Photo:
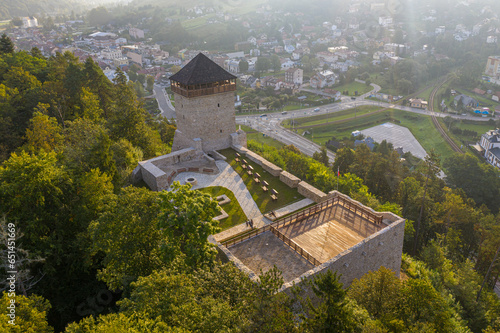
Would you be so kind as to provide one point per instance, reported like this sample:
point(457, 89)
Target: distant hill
point(18, 8)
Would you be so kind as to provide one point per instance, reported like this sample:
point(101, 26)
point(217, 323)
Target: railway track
point(436, 123)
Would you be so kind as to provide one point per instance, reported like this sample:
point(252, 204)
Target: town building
point(294, 75)
point(136, 33)
point(493, 67)
point(490, 147)
point(323, 79)
point(418, 103)
point(30, 22)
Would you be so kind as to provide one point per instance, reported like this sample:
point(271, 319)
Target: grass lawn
point(361, 88)
point(421, 127)
point(480, 127)
point(483, 101)
point(291, 107)
point(233, 208)
point(334, 116)
point(286, 195)
point(259, 137)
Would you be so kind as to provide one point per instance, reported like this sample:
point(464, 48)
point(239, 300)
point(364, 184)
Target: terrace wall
point(311, 192)
point(289, 179)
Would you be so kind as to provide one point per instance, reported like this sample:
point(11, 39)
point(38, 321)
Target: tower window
point(218, 105)
point(221, 131)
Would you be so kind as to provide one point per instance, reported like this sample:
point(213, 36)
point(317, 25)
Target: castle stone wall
point(289, 179)
point(311, 192)
point(210, 118)
point(383, 248)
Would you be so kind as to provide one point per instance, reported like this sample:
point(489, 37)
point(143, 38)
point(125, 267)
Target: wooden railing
point(241, 238)
point(294, 246)
point(203, 91)
point(359, 210)
point(353, 207)
point(345, 203)
point(303, 214)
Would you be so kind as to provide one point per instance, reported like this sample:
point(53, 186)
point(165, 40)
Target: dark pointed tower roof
point(201, 70)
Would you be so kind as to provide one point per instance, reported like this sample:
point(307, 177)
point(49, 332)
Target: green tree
point(343, 159)
point(243, 66)
point(333, 313)
point(479, 181)
point(128, 236)
point(272, 311)
point(322, 156)
point(430, 168)
point(176, 300)
point(378, 292)
point(150, 80)
point(6, 45)
point(44, 133)
point(275, 63)
point(121, 323)
point(263, 64)
point(99, 16)
point(30, 314)
point(187, 221)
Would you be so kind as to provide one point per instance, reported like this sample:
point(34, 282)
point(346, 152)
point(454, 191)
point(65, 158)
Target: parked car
point(316, 110)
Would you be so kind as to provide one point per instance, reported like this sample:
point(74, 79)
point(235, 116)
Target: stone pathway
point(229, 179)
point(293, 207)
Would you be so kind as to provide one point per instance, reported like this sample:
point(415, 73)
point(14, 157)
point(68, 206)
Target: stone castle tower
point(204, 105)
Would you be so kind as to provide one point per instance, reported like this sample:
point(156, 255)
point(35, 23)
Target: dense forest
point(96, 254)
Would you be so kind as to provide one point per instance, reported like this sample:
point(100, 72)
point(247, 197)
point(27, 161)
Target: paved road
point(164, 103)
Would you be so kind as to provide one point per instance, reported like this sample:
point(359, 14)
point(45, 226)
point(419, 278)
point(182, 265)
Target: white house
point(440, 30)
point(287, 63)
point(323, 79)
point(232, 65)
point(30, 22)
point(490, 143)
point(385, 21)
point(491, 39)
point(111, 54)
point(136, 33)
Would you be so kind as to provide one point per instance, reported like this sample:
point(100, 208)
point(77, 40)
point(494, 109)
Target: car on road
point(316, 110)
point(263, 115)
point(284, 112)
point(353, 98)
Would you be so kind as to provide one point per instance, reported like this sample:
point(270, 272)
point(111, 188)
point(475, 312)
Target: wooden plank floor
point(330, 232)
point(327, 240)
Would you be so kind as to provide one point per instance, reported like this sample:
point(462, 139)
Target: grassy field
point(263, 199)
point(361, 88)
point(485, 102)
point(335, 116)
point(259, 137)
point(233, 208)
point(421, 127)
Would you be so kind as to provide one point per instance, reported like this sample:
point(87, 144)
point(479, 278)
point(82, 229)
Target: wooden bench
point(274, 197)
point(237, 159)
point(257, 180)
point(264, 188)
point(243, 166)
